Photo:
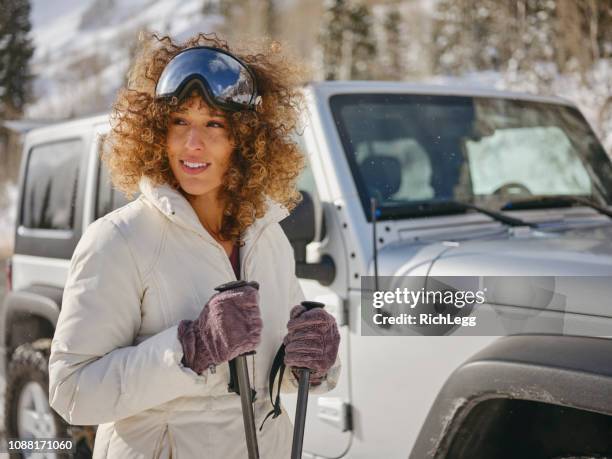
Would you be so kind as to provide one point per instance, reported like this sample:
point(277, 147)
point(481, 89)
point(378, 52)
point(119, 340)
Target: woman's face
point(199, 147)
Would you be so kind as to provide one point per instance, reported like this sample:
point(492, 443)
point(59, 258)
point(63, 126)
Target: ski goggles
point(224, 80)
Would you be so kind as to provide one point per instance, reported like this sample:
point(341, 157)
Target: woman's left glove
point(311, 342)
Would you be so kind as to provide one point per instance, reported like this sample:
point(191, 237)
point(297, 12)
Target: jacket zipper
point(227, 262)
point(247, 255)
point(242, 270)
point(243, 276)
point(212, 241)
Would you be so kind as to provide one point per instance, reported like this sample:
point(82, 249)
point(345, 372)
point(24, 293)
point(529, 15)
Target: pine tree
point(212, 7)
point(16, 49)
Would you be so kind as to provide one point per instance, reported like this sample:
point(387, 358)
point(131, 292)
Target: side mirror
point(299, 226)
point(300, 229)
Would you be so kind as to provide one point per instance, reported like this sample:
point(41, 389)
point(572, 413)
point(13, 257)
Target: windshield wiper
point(447, 207)
point(539, 202)
point(510, 221)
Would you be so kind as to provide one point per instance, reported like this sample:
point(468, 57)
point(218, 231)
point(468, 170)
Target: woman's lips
point(193, 170)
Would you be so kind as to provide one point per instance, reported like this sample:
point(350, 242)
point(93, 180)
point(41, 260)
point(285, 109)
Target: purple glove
point(311, 342)
point(228, 326)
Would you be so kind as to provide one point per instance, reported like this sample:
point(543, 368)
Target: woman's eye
point(179, 121)
point(215, 124)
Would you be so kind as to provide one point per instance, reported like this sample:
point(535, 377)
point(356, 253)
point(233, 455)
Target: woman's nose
point(194, 140)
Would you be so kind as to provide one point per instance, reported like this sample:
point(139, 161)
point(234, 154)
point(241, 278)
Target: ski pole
point(239, 366)
point(246, 401)
point(302, 399)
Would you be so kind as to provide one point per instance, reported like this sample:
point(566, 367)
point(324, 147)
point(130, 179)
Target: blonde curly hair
point(265, 161)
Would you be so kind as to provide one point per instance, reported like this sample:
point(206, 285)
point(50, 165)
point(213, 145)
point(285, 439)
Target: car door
point(328, 421)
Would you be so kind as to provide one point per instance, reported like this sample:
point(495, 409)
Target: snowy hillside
point(83, 47)
point(82, 51)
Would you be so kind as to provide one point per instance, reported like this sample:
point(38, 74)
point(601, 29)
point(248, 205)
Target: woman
point(143, 340)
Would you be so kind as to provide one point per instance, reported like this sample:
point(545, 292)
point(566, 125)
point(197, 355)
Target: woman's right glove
point(228, 326)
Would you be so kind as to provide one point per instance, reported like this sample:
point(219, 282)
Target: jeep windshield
point(417, 154)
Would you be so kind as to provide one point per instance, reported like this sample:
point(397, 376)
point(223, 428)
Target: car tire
point(27, 392)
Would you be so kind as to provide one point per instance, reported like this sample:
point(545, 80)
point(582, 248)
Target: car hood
point(569, 252)
point(578, 262)
point(575, 265)
point(572, 252)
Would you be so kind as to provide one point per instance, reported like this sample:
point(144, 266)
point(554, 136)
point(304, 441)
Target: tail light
point(9, 274)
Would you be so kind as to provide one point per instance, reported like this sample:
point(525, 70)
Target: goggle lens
point(227, 80)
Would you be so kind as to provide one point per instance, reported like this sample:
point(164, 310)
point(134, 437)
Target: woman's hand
point(311, 342)
point(228, 326)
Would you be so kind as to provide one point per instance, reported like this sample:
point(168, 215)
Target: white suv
point(467, 183)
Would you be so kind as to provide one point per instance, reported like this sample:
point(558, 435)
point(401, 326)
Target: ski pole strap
point(278, 367)
point(233, 382)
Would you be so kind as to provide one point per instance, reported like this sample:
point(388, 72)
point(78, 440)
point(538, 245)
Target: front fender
point(36, 301)
point(39, 300)
point(567, 371)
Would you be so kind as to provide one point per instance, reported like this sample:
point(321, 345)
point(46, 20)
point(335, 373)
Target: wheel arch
point(565, 371)
point(28, 315)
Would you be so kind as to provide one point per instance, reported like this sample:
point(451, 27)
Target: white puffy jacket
point(115, 357)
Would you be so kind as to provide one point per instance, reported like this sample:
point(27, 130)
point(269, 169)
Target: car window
point(107, 197)
point(413, 161)
point(554, 165)
point(415, 150)
point(50, 189)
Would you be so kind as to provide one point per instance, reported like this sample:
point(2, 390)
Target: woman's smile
point(194, 167)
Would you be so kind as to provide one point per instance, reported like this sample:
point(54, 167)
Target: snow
point(82, 54)
point(587, 94)
point(82, 48)
point(58, 26)
point(44, 11)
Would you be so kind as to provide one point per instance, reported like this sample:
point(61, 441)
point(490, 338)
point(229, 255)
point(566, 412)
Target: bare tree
point(363, 57)
point(331, 38)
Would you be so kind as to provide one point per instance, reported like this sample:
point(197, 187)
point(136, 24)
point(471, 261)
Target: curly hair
point(265, 161)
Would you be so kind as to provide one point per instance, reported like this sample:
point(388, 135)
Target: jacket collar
point(175, 207)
